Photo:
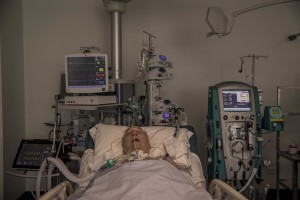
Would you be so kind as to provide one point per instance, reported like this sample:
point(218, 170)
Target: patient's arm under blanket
point(147, 180)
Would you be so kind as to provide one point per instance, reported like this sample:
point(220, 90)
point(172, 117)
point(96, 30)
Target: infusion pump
point(234, 132)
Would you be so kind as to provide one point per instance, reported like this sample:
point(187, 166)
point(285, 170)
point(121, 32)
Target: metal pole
point(253, 69)
point(295, 179)
point(277, 163)
point(149, 102)
point(116, 45)
point(56, 97)
point(253, 57)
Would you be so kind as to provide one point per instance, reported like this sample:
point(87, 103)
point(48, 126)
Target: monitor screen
point(236, 100)
point(86, 73)
point(31, 154)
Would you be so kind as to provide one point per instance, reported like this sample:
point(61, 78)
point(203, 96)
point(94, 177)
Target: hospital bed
point(140, 179)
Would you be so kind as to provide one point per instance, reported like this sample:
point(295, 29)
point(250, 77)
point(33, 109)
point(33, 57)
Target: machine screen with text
point(31, 153)
point(236, 100)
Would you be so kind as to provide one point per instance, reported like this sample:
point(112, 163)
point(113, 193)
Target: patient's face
point(135, 139)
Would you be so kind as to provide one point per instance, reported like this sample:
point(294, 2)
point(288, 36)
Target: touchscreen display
point(236, 100)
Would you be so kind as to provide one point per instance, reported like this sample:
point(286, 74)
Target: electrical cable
point(61, 143)
point(238, 159)
point(107, 167)
point(53, 149)
point(241, 160)
point(49, 134)
point(105, 115)
point(268, 142)
point(69, 130)
point(59, 122)
point(157, 132)
point(244, 166)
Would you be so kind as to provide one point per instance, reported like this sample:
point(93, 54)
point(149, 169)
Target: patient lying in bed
point(145, 178)
point(136, 141)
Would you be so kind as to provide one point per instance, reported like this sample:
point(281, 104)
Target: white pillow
point(196, 170)
point(179, 148)
point(108, 141)
point(157, 135)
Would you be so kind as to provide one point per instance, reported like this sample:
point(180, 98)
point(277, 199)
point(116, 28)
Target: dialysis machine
point(234, 131)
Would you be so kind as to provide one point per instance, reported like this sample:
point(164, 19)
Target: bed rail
point(217, 189)
point(221, 190)
point(61, 191)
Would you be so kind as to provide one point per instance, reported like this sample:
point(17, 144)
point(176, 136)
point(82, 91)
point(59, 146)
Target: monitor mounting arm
point(215, 16)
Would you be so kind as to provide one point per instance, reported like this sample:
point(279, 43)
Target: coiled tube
point(62, 167)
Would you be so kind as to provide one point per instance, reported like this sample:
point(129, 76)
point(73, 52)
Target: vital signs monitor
point(86, 73)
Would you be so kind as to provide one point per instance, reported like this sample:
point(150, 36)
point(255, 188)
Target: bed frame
point(221, 190)
point(217, 189)
point(61, 191)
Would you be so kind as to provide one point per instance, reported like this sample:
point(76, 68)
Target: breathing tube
point(249, 180)
point(62, 167)
point(109, 165)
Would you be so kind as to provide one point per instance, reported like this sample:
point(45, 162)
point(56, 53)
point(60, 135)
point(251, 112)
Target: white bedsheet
point(144, 180)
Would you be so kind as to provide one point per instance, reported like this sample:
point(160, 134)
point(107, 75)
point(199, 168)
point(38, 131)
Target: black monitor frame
point(27, 159)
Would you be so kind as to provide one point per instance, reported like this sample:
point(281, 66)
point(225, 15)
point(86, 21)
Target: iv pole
point(253, 57)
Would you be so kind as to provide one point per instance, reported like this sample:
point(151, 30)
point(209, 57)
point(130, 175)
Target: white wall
point(12, 70)
point(1, 133)
point(55, 28)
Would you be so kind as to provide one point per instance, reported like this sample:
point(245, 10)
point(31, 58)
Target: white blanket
point(144, 180)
